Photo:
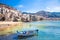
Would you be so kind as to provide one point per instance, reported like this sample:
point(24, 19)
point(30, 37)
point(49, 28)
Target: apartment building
point(8, 13)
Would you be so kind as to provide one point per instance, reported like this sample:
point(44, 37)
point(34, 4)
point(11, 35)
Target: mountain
point(46, 14)
point(28, 13)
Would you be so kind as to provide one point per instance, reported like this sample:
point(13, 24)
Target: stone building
point(8, 13)
point(40, 18)
point(33, 18)
point(25, 17)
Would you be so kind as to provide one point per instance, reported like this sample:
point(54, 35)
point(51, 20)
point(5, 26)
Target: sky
point(34, 5)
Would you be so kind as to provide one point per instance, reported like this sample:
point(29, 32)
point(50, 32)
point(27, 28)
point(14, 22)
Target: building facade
point(8, 13)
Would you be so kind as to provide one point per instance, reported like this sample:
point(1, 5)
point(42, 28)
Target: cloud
point(53, 9)
point(52, 6)
point(20, 6)
point(35, 6)
point(30, 11)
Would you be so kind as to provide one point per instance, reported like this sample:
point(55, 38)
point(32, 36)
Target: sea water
point(48, 30)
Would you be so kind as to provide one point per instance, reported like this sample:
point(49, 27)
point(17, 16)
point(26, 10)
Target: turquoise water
point(48, 30)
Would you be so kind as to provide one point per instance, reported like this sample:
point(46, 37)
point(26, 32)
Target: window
point(0, 10)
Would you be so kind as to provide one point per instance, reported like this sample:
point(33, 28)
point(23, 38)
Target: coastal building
point(8, 13)
point(25, 17)
point(37, 18)
point(33, 18)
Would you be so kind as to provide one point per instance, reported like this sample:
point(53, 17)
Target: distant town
point(8, 13)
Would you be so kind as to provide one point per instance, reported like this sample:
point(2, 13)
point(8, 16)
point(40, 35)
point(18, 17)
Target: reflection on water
point(47, 31)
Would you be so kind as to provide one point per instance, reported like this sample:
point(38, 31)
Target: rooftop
point(7, 6)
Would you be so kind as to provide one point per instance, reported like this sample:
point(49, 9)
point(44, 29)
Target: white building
point(9, 13)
